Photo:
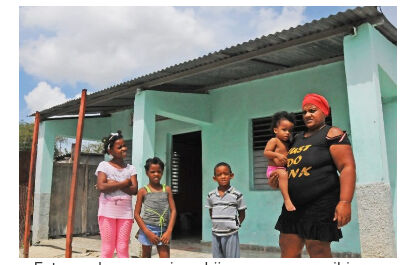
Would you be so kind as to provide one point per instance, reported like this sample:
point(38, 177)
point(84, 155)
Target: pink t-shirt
point(116, 204)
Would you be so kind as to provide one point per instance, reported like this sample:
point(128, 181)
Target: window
point(261, 133)
point(174, 183)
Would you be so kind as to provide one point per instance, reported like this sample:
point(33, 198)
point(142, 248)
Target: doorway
point(186, 183)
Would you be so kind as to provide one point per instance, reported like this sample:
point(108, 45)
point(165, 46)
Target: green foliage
point(25, 135)
point(92, 147)
point(60, 147)
point(62, 144)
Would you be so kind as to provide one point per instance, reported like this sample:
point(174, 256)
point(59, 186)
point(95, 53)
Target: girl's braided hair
point(109, 141)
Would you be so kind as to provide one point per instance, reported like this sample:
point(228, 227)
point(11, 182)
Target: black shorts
point(313, 220)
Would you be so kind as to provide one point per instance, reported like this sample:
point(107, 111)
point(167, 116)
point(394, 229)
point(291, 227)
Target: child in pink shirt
point(117, 182)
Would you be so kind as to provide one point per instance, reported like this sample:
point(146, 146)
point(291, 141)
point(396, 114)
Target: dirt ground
point(89, 247)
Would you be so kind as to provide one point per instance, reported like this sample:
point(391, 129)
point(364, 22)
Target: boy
point(227, 212)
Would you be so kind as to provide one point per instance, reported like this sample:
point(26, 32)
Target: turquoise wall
point(389, 101)
point(227, 137)
point(93, 129)
point(371, 72)
point(164, 131)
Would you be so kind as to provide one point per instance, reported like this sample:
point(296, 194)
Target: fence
point(86, 203)
point(23, 194)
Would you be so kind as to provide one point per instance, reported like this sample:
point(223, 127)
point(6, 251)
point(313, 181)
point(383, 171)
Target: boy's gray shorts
point(226, 246)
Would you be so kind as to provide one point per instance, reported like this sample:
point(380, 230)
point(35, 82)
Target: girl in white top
point(117, 182)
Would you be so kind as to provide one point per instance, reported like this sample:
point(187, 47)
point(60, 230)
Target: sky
point(65, 49)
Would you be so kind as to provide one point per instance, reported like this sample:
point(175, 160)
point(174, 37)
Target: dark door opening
point(186, 183)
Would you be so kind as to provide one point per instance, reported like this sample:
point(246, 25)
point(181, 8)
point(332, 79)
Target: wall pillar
point(143, 137)
point(43, 180)
point(373, 190)
point(94, 128)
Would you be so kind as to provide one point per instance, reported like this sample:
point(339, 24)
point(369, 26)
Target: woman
point(321, 196)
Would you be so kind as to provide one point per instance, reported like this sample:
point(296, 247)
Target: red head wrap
point(318, 101)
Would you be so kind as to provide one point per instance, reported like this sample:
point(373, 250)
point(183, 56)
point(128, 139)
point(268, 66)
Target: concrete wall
point(226, 136)
point(94, 129)
point(164, 131)
point(370, 66)
point(228, 139)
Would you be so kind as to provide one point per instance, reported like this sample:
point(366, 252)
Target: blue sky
point(60, 55)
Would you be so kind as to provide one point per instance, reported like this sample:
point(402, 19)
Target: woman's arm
point(137, 211)
point(133, 188)
point(166, 236)
point(104, 186)
point(345, 163)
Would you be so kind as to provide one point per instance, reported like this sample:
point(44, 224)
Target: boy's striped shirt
point(225, 209)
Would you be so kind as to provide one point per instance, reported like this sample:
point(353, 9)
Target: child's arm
point(133, 188)
point(241, 208)
point(151, 236)
point(242, 215)
point(108, 186)
point(165, 238)
point(270, 153)
point(210, 213)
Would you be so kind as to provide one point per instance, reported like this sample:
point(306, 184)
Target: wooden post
point(70, 218)
point(30, 188)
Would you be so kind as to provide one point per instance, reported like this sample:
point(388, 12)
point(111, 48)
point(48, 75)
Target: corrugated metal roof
point(314, 43)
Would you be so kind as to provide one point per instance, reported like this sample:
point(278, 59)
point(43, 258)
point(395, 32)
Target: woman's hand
point(282, 160)
point(342, 213)
point(275, 177)
point(165, 238)
point(154, 239)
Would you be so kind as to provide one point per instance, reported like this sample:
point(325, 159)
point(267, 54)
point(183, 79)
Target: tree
point(60, 144)
point(92, 147)
point(25, 135)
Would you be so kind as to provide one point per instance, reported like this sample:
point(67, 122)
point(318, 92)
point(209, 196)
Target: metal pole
point(70, 218)
point(30, 186)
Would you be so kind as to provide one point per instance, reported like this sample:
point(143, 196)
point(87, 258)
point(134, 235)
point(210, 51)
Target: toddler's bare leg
point(283, 187)
point(273, 181)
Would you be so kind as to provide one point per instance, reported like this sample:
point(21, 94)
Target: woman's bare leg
point(291, 245)
point(318, 249)
point(283, 187)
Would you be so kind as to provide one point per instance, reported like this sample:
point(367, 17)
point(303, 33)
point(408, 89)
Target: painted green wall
point(93, 129)
point(228, 138)
point(164, 131)
point(371, 74)
point(389, 100)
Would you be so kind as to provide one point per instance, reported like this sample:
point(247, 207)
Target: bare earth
point(89, 247)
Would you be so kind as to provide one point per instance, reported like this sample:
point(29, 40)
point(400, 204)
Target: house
point(214, 108)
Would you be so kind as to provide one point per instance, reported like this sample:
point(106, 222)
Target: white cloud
point(44, 96)
point(103, 46)
point(269, 21)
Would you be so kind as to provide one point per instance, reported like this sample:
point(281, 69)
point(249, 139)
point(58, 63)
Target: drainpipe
point(70, 219)
point(30, 187)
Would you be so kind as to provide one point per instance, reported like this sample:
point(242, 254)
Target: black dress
point(314, 188)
